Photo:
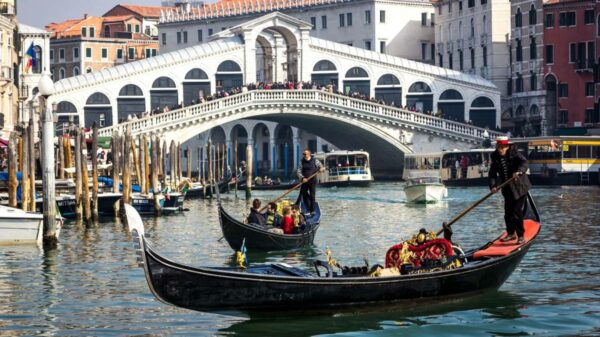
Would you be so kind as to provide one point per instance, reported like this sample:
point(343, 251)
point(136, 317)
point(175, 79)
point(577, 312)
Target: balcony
point(518, 67)
point(517, 33)
point(460, 44)
point(584, 65)
point(471, 41)
point(7, 8)
point(484, 39)
point(450, 46)
point(440, 48)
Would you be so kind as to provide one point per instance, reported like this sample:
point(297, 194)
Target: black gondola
point(66, 204)
point(277, 285)
point(272, 187)
point(259, 238)
point(206, 192)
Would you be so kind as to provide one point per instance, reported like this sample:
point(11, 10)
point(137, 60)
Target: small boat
point(198, 190)
point(269, 187)
point(173, 202)
point(345, 168)
point(280, 286)
point(20, 227)
point(66, 204)
point(144, 203)
point(425, 189)
point(258, 237)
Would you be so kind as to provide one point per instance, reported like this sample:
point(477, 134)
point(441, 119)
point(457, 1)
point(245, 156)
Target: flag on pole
point(31, 58)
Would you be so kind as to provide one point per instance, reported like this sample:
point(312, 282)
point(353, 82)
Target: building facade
point(471, 36)
point(8, 61)
point(96, 43)
point(148, 16)
point(571, 33)
point(529, 115)
point(396, 27)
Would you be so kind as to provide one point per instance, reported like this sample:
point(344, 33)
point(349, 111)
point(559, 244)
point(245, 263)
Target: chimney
point(85, 16)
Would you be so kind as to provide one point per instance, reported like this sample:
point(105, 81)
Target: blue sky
point(39, 13)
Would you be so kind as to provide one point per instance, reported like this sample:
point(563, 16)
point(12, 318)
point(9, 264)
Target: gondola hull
point(258, 238)
point(275, 187)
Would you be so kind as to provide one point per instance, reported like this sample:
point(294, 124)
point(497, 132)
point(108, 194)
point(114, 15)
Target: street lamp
point(46, 89)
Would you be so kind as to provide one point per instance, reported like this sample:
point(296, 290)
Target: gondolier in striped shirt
point(309, 165)
point(508, 163)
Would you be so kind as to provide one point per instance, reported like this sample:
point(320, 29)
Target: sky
point(39, 13)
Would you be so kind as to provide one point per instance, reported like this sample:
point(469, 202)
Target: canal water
point(90, 285)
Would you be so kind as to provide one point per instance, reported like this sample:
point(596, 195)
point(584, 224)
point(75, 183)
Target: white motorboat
point(425, 189)
point(20, 227)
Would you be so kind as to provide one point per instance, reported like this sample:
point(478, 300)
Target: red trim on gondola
point(498, 248)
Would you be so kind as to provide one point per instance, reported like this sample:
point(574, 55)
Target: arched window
point(106, 31)
point(356, 72)
point(61, 73)
point(451, 94)
point(36, 66)
point(324, 65)
point(449, 32)
point(472, 27)
point(196, 74)
point(460, 32)
point(518, 18)
point(419, 87)
point(534, 110)
point(482, 102)
point(65, 107)
point(163, 82)
point(97, 98)
point(131, 90)
point(520, 111)
point(532, 15)
point(229, 66)
point(484, 24)
point(388, 79)
point(75, 71)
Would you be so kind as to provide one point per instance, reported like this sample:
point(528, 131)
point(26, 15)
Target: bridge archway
point(483, 112)
point(284, 149)
point(97, 109)
point(163, 93)
point(239, 136)
point(67, 117)
point(420, 97)
point(229, 75)
point(389, 90)
point(357, 80)
point(195, 85)
point(325, 73)
point(452, 105)
point(131, 101)
point(263, 152)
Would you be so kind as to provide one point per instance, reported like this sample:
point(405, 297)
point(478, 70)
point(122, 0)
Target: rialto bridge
point(277, 48)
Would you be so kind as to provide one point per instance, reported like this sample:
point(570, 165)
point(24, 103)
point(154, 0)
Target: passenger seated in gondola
point(258, 181)
point(273, 219)
point(255, 217)
point(288, 223)
point(299, 220)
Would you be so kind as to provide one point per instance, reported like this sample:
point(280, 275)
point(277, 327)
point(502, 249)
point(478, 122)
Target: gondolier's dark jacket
point(516, 163)
point(308, 167)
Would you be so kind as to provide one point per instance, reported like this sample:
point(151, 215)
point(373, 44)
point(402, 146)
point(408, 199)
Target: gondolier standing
point(508, 163)
point(309, 165)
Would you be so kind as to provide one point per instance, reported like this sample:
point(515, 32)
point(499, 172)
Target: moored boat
point(66, 204)
point(259, 237)
point(20, 227)
point(269, 187)
point(278, 285)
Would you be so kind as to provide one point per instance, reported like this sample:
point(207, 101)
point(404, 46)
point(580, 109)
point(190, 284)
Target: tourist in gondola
point(299, 220)
point(309, 165)
point(272, 218)
point(287, 223)
point(255, 216)
point(508, 163)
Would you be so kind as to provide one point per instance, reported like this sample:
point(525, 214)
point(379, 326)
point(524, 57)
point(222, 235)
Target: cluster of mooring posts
point(132, 167)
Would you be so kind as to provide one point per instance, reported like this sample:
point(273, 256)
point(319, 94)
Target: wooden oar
point(458, 217)
point(288, 192)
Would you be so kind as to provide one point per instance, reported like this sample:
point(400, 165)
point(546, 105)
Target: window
point(324, 21)
point(432, 52)
point(313, 22)
point(441, 60)
point(178, 37)
point(164, 39)
point(368, 45)
point(199, 35)
point(61, 73)
point(472, 58)
point(484, 51)
point(83, 31)
point(563, 117)
point(61, 54)
point(471, 3)
point(588, 16)
point(460, 60)
point(549, 54)
point(450, 61)
point(101, 121)
point(533, 81)
point(509, 87)
point(460, 5)
point(51, 54)
point(382, 47)
point(518, 18)
point(76, 53)
point(563, 90)
point(131, 54)
point(519, 51)
point(382, 16)
point(75, 71)
point(88, 53)
point(129, 27)
point(423, 51)
point(472, 28)
point(532, 15)
point(210, 32)
point(104, 53)
point(440, 9)
point(566, 19)
point(483, 2)
point(185, 40)
point(449, 6)
point(368, 17)
point(349, 19)
point(532, 49)
point(137, 29)
point(572, 53)
point(589, 89)
point(106, 31)
point(119, 54)
point(549, 21)
point(519, 83)
point(342, 20)
point(92, 32)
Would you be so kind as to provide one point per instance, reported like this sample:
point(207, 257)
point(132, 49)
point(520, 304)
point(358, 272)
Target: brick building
point(571, 33)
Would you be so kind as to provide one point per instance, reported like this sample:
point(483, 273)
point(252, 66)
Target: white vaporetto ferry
point(345, 168)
